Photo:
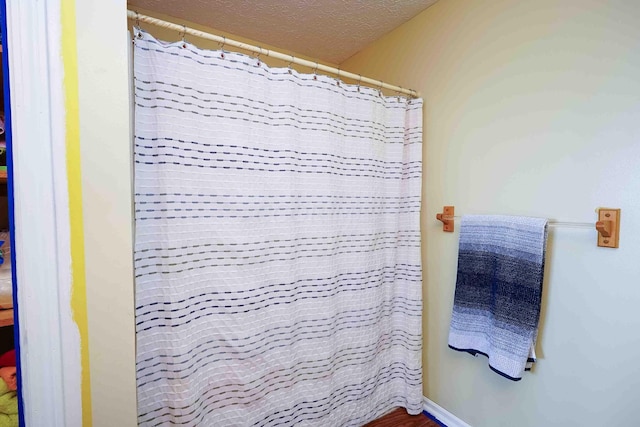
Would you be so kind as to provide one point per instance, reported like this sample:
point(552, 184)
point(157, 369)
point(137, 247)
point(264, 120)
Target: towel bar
point(607, 226)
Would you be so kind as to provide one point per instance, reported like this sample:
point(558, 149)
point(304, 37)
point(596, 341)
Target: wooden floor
point(400, 418)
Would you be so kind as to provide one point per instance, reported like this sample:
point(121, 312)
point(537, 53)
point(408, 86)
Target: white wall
point(531, 108)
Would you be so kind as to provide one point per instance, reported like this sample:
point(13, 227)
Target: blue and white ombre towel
point(499, 290)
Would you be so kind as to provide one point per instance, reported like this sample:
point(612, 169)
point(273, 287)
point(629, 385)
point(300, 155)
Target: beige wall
point(531, 108)
point(103, 82)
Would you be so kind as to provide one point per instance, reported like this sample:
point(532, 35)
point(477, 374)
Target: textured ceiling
point(329, 30)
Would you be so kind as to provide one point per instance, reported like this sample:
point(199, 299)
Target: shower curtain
point(277, 252)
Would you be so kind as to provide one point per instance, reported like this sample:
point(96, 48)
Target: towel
point(8, 406)
point(499, 290)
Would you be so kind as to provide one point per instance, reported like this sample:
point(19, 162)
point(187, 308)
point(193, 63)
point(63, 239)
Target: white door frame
point(49, 338)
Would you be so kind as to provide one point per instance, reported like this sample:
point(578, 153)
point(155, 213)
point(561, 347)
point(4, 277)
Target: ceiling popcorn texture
point(329, 30)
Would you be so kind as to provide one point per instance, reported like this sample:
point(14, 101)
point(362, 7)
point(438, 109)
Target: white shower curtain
point(277, 253)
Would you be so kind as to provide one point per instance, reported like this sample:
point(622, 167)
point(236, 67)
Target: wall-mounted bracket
point(608, 226)
point(447, 218)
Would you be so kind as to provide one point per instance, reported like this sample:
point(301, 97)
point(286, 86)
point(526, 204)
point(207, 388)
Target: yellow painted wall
point(74, 186)
point(531, 108)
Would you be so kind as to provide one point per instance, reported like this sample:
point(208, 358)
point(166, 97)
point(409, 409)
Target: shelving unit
point(6, 314)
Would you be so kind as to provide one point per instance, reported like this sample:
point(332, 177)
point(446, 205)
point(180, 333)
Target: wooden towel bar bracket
point(608, 224)
point(447, 218)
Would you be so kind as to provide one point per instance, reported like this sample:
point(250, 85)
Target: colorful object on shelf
point(8, 387)
point(8, 359)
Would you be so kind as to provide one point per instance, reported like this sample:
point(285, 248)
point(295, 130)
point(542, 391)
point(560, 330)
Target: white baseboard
point(444, 416)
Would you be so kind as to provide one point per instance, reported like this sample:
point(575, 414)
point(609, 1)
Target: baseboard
point(442, 415)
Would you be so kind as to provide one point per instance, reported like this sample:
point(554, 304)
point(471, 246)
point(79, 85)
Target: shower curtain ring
point(315, 72)
point(137, 26)
point(338, 80)
point(184, 35)
point(224, 41)
point(258, 56)
point(359, 81)
point(380, 87)
point(291, 62)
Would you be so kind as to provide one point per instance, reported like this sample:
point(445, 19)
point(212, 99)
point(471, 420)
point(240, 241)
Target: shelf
point(6, 317)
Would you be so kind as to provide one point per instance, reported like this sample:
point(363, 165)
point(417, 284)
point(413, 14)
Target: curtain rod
point(267, 52)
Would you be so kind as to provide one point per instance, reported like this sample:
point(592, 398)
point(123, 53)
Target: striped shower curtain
point(277, 244)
